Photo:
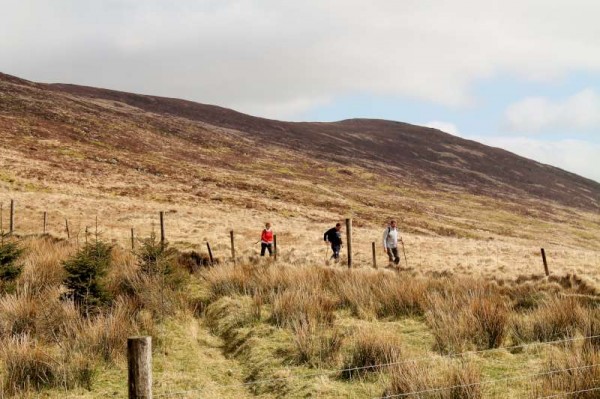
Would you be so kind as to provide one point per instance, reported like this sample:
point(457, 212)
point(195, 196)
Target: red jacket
point(266, 236)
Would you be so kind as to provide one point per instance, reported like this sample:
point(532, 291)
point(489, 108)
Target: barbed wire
point(486, 382)
point(569, 393)
point(382, 365)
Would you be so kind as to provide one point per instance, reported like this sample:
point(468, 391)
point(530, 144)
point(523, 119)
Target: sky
point(521, 75)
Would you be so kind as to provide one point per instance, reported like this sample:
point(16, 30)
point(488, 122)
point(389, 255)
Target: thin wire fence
point(389, 364)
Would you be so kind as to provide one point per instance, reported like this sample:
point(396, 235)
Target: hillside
point(79, 152)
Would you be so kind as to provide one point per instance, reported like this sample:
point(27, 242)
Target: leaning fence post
point(274, 246)
point(11, 221)
point(162, 228)
point(210, 254)
point(45, 221)
point(374, 255)
point(545, 262)
point(67, 227)
point(139, 365)
point(132, 240)
point(232, 247)
point(349, 241)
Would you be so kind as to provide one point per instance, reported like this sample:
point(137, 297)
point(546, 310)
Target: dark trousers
point(335, 248)
point(264, 246)
point(393, 255)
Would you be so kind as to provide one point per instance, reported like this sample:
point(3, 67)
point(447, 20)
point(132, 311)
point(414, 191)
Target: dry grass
point(570, 371)
point(274, 318)
point(370, 352)
point(458, 380)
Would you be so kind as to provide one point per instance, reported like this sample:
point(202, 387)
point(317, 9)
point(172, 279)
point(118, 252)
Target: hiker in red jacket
point(266, 240)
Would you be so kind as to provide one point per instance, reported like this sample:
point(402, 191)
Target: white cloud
point(580, 112)
point(577, 156)
point(253, 54)
point(447, 127)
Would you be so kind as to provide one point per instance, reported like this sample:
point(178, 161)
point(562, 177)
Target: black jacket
point(333, 236)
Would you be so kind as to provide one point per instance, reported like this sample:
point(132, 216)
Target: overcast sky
point(523, 75)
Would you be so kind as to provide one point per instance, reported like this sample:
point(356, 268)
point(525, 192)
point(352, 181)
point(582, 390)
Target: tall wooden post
point(11, 221)
point(545, 262)
point(139, 367)
point(232, 247)
point(349, 241)
point(132, 240)
point(274, 246)
point(45, 221)
point(374, 255)
point(67, 227)
point(1, 218)
point(162, 228)
point(210, 255)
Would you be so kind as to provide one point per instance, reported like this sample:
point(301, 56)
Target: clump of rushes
point(370, 352)
point(419, 380)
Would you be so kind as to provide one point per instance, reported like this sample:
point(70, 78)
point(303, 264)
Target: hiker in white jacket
point(390, 242)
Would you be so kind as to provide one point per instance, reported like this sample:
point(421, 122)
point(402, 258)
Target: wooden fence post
point(374, 255)
point(67, 227)
point(545, 262)
point(212, 261)
point(274, 246)
point(1, 218)
point(45, 221)
point(349, 241)
point(139, 367)
point(232, 247)
point(11, 221)
point(132, 240)
point(162, 228)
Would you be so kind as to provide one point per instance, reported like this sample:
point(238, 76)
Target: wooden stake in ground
point(162, 228)
point(232, 247)
point(212, 262)
point(132, 240)
point(1, 218)
point(11, 221)
point(374, 255)
point(349, 241)
point(67, 227)
point(45, 221)
point(545, 263)
point(139, 367)
point(274, 246)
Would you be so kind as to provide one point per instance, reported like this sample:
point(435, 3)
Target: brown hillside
point(95, 150)
point(401, 150)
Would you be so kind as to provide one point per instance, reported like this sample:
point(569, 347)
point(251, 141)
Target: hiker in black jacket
point(333, 236)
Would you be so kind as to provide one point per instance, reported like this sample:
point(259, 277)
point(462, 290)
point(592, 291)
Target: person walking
point(390, 242)
point(333, 237)
point(266, 240)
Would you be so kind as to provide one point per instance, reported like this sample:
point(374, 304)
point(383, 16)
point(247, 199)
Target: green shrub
point(156, 258)
point(10, 269)
point(85, 274)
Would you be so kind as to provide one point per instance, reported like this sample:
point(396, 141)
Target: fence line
point(382, 365)
point(491, 381)
point(486, 382)
point(569, 393)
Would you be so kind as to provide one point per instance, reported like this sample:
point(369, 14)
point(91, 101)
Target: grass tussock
point(371, 351)
point(558, 318)
point(571, 370)
point(421, 380)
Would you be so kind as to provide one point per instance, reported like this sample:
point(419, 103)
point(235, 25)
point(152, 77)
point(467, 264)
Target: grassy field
point(264, 329)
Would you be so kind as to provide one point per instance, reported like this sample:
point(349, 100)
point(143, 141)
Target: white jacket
point(390, 237)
